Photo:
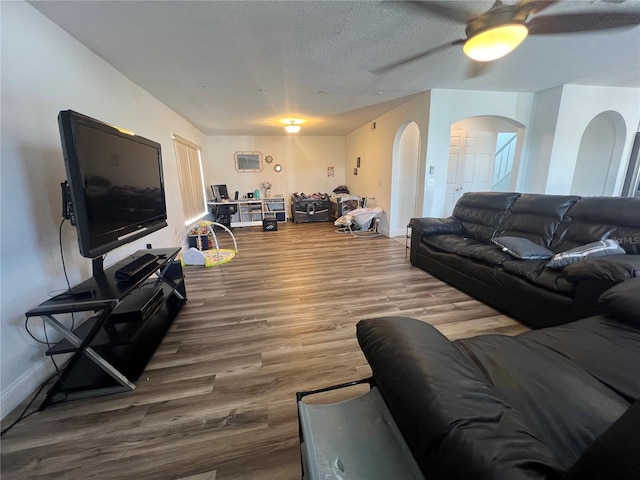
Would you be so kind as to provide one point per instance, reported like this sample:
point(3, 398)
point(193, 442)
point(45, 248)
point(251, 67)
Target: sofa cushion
point(601, 346)
point(481, 212)
point(600, 248)
point(536, 217)
point(622, 302)
point(598, 218)
point(534, 272)
point(547, 390)
point(449, 243)
point(528, 269)
point(555, 281)
point(487, 254)
point(614, 454)
point(522, 248)
point(615, 268)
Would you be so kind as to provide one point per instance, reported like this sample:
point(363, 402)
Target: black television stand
point(126, 323)
point(97, 266)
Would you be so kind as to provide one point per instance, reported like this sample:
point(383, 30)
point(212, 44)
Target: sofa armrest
point(614, 268)
point(436, 226)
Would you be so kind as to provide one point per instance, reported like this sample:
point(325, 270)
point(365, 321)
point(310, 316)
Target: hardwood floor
point(217, 401)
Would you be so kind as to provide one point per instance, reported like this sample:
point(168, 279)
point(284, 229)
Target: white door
point(457, 141)
point(471, 159)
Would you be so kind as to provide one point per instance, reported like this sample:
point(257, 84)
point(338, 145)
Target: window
point(191, 179)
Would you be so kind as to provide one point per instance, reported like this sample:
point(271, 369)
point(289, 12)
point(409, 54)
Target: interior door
point(453, 192)
point(471, 162)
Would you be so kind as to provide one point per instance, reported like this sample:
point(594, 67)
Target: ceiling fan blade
point(531, 7)
point(415, 58)
point(581, 22)
point(443, 9)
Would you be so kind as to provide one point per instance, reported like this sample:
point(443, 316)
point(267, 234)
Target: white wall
point(45, 70)
point(554, 123)
point(304, 161)
point(539, 141)
point(404, 178)
point(450, 106)
point(578, 106)
point(375, 149)
point(599, 156)
point(485, 124)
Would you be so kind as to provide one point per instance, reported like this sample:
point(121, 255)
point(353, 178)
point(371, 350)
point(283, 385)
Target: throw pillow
point(601, 248)
point(622, 301)
point(522, 248)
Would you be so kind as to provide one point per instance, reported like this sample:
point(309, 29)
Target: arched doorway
point(484, 155)
point(406, 153)
point(599, 155)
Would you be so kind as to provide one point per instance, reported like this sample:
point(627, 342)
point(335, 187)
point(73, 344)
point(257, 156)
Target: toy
point(197, 242)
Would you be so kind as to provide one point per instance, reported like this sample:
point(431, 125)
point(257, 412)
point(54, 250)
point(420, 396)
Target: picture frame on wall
point(247, 161)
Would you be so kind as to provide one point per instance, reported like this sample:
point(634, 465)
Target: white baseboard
point(398, 232)
point(24, 386)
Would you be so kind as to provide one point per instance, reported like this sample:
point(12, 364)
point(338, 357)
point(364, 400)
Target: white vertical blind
point(191, 179)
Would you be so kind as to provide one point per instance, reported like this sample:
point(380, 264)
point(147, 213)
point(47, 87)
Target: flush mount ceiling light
point(293, 128)
point(495, 42)
point(292, 125)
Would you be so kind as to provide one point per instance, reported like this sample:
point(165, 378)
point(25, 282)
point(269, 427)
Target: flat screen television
point(114, 181)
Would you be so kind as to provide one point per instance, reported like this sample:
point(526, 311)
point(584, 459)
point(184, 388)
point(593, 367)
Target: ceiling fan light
point(495, 42)
point(293, 128)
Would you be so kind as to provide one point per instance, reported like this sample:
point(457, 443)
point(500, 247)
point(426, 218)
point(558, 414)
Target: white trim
point(14, 394)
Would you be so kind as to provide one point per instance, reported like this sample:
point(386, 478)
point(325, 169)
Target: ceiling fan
point(498, 31)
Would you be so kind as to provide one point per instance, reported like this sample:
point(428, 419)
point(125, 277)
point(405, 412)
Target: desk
point(248, 212)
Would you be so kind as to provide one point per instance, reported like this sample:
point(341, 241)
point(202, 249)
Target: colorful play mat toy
point(200, 245)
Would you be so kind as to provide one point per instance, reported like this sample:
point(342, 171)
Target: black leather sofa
point(559, 402)
point(459, 250)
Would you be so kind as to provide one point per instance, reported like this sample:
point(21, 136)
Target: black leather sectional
point(555, 403)
point(459, 250)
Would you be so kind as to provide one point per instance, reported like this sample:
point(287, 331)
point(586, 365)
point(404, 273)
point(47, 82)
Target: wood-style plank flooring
point(217, 401)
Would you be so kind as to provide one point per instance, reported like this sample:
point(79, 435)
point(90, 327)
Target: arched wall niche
point(599, 155)
point(406, 161)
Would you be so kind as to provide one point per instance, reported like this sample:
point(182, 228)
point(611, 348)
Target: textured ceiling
point(236, 67)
